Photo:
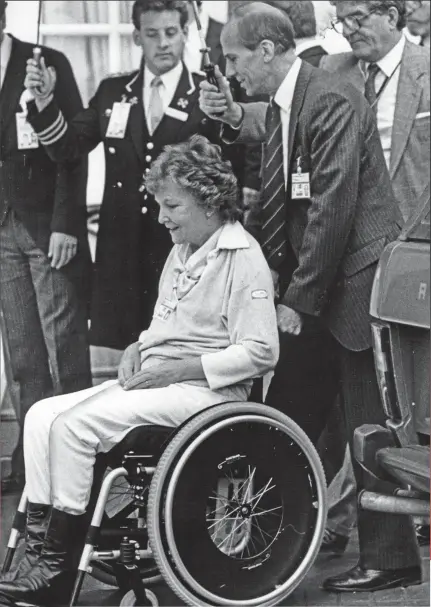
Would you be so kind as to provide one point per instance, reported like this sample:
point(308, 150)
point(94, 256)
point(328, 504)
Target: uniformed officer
point(135, 116)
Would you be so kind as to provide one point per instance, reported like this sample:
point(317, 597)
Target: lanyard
point(385, 84)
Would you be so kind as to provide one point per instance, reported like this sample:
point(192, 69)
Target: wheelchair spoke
point(266, 511)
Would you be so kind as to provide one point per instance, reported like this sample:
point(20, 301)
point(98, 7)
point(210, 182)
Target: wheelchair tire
point(274, 491)
point(104, 572)
point(129, 599)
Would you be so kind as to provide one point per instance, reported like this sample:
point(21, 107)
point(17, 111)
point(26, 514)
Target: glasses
point(353, 23)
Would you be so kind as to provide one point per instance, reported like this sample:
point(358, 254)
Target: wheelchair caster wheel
point(129, 599)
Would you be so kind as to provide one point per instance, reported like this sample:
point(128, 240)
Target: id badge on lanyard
point(167, 307)
point(118, 121)
point(300, 183)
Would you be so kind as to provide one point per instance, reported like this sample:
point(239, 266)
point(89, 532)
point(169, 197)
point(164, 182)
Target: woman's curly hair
point(197, 166)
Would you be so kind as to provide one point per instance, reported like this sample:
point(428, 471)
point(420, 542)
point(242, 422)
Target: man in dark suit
point(135, 116)
point(44, 254)
point(245, 159)
point(394, 75)
point(327, 213)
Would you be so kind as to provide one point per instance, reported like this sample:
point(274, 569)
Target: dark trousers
point(304, 387)
point(45, 326)
point(305, 382)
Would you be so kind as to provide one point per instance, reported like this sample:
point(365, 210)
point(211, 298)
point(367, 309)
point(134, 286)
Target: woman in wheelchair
point(214, 329)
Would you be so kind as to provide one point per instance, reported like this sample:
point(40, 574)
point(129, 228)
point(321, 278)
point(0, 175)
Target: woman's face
point(187, 221)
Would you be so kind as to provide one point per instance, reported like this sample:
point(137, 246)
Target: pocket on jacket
point(421, 128)
point(360, 259)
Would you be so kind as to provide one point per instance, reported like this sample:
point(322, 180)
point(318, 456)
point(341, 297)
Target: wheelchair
point(228, 509)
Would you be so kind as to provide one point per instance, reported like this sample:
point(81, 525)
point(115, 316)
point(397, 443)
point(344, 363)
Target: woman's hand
point(158, 376)
point(130, 363)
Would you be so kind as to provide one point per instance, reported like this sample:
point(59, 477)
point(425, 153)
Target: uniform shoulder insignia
point(121, 74)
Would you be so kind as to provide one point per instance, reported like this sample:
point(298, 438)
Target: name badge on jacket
point(26, 137)
point(300, 183)
point(118, 121)
point(165, 310)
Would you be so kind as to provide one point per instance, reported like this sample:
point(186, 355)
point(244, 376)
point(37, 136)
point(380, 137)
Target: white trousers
point(63, 434)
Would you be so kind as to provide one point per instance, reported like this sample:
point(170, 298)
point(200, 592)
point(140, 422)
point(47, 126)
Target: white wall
point(22, 19)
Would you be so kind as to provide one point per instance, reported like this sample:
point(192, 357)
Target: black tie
point(370, 85)
point(273, 235)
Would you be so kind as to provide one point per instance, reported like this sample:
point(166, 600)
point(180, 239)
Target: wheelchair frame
point(288, 557)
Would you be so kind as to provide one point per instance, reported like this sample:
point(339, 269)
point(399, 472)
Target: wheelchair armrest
point(367, 441)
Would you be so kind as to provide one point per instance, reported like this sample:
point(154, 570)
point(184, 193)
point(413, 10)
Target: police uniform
point(131, 246)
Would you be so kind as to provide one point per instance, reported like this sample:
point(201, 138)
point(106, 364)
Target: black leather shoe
point(370, 580)
point(50, 580)
point(14, 483)
point(334, 543)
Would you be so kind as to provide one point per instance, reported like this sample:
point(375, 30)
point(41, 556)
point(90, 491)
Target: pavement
point(96, 594)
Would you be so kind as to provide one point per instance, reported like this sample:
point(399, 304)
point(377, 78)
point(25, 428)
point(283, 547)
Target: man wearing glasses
point(394, 75)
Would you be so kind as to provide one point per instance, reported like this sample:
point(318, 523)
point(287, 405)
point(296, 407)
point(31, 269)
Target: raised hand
point(40, 79)
point(218, 103)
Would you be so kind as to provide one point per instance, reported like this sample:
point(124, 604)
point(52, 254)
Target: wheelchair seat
point(409, 465)
point(145, 440)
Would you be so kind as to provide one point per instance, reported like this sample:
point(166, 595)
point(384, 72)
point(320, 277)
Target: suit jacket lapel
point(304, 76)
point(137, 123)
point(407, 102)
point(13, 85)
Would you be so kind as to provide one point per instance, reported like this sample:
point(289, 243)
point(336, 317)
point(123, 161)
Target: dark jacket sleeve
point(67, 138)
point(71, 179)
point(334, 131)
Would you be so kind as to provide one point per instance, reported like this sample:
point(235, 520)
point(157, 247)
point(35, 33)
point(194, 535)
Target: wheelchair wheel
point(129, 599)
point(237, 507)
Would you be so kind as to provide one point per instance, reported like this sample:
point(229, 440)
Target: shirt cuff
point(229, 367)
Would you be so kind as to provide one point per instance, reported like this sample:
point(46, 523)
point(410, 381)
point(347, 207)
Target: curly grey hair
point(197, 166)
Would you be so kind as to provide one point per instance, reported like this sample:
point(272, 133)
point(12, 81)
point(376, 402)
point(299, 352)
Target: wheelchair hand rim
point(295, 579)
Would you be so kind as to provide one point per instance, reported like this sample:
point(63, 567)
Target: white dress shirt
point(5, 53)
point(284, 97)
point(389, 68)
point(167, 91)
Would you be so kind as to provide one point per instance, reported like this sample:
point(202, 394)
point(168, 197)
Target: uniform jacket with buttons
point(132, 246)
point(45, 196)
point(339, 233)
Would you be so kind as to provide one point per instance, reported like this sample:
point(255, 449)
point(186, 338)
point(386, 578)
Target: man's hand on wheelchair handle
point(130, 363)
point(288, 320)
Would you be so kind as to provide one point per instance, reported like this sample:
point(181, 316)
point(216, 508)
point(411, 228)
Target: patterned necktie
point(156, 104)
point(370, 85)
point(273, 234)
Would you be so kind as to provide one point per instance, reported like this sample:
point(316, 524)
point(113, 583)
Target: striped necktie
point(370, 85)
point(273, 232)
point(156, 104)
